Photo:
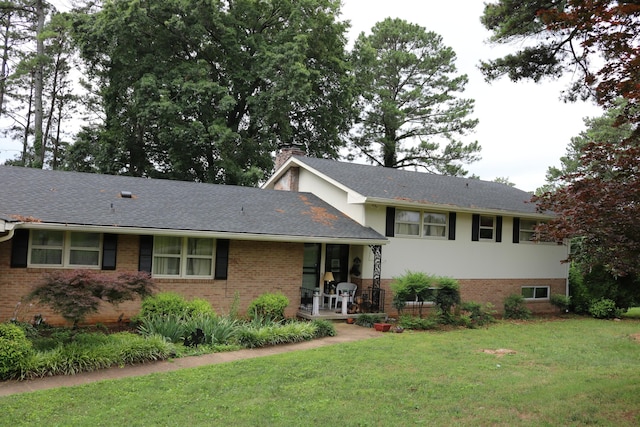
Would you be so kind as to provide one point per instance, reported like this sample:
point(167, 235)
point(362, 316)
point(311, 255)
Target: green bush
point(417, 323)
point(367, 320)
point(253, 335)
point(515, 308)
point(15, 348)
point(604, 309)
point(324, 328)
point(447, 296)
point(172, 303)
point(269, 306)
point(169, 326)
point(411, 286)
point(479, 315)
point(199, 306)
point(89, 352)
point(562, 302)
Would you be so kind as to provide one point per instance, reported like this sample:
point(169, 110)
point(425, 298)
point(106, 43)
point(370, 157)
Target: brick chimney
point(289, 180)
point(286, 152)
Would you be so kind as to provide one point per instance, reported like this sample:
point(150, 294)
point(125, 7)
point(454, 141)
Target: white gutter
point(8, 228)
point(418, 205)
point(198, 233)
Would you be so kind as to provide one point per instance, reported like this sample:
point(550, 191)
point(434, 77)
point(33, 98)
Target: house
point(480, 233)
point(215, 242)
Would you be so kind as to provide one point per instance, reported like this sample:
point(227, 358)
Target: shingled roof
point(29, 196)
point(394, 186)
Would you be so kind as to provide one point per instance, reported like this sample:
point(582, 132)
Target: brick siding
point(492, 291)
point(254, 268)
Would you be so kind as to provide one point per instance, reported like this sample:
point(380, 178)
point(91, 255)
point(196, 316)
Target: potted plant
point(382, 327)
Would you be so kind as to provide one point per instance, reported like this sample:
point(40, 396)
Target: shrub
point(411, 286)
point(98, 351)
point(604, 309)
point(253, 335)
point(163, 304)
point(199, 306)
point(479, 315)
point(515, 308)
point(562, 302)
point(15, 348)
point(417, 323)
point(174, 304)
point(447, 296)
point(324, 328)
point(77, 293)
point(367, 320)
point(169, 326)
point(269, 305)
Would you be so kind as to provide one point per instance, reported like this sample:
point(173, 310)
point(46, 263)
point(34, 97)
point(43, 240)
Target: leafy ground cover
point(575, 371)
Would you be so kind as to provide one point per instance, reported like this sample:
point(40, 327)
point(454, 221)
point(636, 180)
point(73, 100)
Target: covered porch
point(316, 305)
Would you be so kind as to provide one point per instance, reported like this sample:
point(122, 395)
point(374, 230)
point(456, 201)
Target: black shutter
point(109, 251)
point(20, 248)
point(516, 230)
point(452, 226)
point(222, 259)
point(146, 253)
point(498, 229)
point(475, 227)
point(391, 222)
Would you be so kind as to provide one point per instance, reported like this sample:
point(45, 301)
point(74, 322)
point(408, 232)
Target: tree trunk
point(39, 143)
point(5, 60)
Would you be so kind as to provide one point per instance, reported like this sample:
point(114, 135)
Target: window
point(435, 224)
point(486, 227)
point(178, 256)
point(408, 223)
point(418, 223)
point(528, 231)
point(535, 292)
point(65, 248)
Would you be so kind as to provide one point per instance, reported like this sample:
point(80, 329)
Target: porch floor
point(326, 314)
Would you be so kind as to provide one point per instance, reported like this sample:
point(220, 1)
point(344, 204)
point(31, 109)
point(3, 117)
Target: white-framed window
point(183, 256)
point(528, 231)
point(65, 249)
point(535, 292)
point(421, 223)
point(487, 227)
point(434, 224)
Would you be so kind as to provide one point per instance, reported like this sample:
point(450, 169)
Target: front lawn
point(563, 372)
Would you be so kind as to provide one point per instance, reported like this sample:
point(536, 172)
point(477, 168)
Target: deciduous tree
point(599, 203)
point(408, 86)
point(207, 89)
point(597, 40)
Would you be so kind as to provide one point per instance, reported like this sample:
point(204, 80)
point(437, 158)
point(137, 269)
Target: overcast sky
point(524, 127)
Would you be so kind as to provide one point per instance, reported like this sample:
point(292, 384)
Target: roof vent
point(125, 194)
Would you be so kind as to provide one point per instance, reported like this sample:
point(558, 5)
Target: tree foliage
point(597, 40)
point(407, 83)
point(206, 90)
point(76, 294)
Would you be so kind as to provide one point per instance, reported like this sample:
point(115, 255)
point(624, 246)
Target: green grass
point(570, 372)
point(632, 313)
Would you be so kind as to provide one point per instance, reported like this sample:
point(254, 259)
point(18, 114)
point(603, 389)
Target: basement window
point(535, 292)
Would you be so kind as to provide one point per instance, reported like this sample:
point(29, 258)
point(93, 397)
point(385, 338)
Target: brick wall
point(484, 291)
point(254, 268)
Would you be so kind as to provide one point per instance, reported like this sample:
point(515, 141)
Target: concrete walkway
point(345, 333)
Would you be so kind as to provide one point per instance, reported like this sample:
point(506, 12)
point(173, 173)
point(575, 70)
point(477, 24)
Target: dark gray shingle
point(95, 200)
point(401, 185)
